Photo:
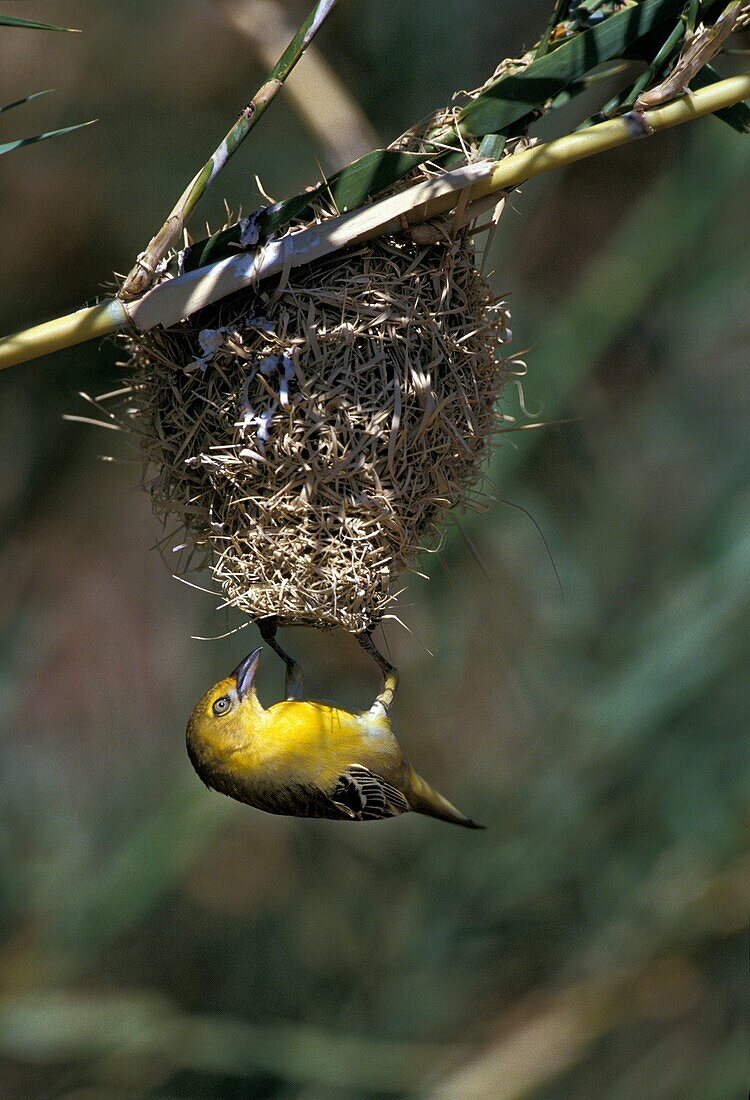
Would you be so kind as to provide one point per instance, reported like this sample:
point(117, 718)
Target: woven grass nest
point(309, 436)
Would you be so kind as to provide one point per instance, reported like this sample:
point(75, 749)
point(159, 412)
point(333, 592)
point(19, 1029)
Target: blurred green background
point(161, 941)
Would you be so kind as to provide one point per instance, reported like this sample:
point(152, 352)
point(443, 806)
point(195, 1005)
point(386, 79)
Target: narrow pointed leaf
point(518, 94)
point(580, 86)
point(26, 99)
point(9, 146)
point(32, 24)
point(635, 32)
point(349, 188)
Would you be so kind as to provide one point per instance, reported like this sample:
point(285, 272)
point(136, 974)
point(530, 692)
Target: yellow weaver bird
point(306, 759)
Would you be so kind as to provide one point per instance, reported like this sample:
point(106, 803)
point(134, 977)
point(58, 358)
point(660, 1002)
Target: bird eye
point(222, 705)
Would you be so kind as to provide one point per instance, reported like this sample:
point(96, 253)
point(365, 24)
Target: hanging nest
point(310, 435)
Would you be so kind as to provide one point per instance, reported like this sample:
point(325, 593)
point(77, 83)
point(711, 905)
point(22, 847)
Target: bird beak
point(245, 672)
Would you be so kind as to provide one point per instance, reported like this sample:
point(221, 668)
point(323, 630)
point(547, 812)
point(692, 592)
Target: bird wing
point(363, 796)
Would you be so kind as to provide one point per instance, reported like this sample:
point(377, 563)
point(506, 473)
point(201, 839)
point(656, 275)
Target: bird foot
point(294, 684)
point(384, 700)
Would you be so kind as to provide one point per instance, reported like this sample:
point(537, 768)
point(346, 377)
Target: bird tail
point(424, 800)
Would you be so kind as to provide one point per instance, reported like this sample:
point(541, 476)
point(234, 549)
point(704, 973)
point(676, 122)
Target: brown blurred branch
point(320, 97)
point(549, 1032)
point(144, 269)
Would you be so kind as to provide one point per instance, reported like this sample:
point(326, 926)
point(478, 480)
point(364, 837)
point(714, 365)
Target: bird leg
point(293, 680)
point(384, 700)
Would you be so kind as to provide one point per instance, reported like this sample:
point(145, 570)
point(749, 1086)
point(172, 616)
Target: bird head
point(225, 717)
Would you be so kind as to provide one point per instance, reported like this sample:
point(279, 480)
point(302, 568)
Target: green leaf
point(26, 99)
point(370, 174)
point(14, 21)
point(559, 75)
point(580, 86)
point(349, 188)
point(492, 145)
point(9, 146)
point(518, 94)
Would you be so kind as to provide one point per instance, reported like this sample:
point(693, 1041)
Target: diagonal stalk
point(182, 296)
point(145, 266)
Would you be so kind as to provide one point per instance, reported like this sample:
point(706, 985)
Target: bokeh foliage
point(159, 941)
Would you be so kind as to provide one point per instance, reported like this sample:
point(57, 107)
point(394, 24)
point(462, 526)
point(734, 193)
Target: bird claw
point(383, 701)
point(294, 684)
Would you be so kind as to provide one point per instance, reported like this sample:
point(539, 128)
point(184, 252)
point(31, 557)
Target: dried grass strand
point(309, 435)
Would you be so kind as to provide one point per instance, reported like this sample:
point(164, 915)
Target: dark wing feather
point(358, 795)
point(363, 796)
